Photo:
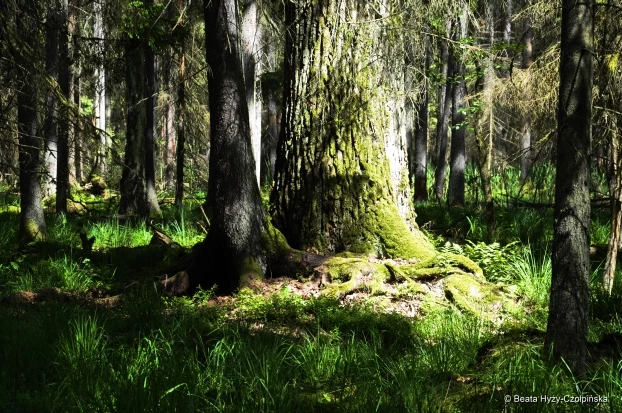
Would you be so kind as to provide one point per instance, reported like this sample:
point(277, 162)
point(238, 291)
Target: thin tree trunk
point(527, 61)
point(251, 36)
point(615, 192)
point(150, 89)
point(50, 128)
point(100, 89)
point(271, 138)
point(421, 141)
point(181, 135)
point(64, 77)
point(567, 328)
point(455, 191)
point(31, 220)
point(444, 113)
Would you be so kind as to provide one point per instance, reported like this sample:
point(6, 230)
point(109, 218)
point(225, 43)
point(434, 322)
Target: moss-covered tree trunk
point(341, 172)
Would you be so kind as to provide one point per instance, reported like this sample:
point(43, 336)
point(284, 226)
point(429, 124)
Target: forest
point(310, 206)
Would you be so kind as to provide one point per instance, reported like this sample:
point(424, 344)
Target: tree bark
point(251, 47)
point(455, 191)
point(421, 141)
point(133, 183)
point(444, 113)
point(232, 251)
point(31, 220)
point(181, 135)
point(100, 89)
point(150, 95)
point(567, 328)
point(64, 78)
point(526, 62)
point(342, 171)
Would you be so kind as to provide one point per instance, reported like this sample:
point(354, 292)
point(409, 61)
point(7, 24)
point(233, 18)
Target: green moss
point(347, 275)
point(273, 241)
point(477, 297)
point(32, 232)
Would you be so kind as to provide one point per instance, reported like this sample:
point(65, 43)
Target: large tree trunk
point(457, 163)
point(64, 80)
point(341, 173)
point(31, 220)
point(567, 328)
point(251, 37)
point(232, 251)
point(421, 140)
point(444, 113)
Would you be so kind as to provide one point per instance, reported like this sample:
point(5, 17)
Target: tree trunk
point(567, 328)
point(64, 77)
point(251, 37)
point(421, 141)
point(50, 128)
point(31, 220)
point(150, 95)
point(271, 138)
point(526, 150)
point(444, 113)
point(232, 251)
point(342, 171)
point(100, 89)
point(615, 193)
point(455, 191)
point(181, 136)
point(133, 183)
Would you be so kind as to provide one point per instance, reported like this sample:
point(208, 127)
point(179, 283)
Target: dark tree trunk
point(232, 251)
point(567, 328)
point(444, 113)
point(31, 220)
point(455, 191)
point(133, 184)
point(341, 165)
point(181, 134)
point(64, 80)
point(421, 140)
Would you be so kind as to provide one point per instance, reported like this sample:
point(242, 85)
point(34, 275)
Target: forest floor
point(88, 331)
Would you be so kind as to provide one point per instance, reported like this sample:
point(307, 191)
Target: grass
point(280, 352)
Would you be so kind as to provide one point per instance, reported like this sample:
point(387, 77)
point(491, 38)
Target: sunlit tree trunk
point(421, 140)
point(567, 328)
point(251, 47)
point(269, 145)
point(50, 128)
point(444, 115)
point(100, 89)
point(181, 133)
point(526, 62)
point(342, 172)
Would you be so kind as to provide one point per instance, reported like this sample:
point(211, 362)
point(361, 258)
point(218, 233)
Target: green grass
point(280, 352)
